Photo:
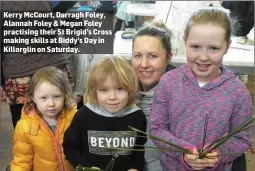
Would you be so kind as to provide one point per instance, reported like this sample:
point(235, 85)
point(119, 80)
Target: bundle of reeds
point(204, 150)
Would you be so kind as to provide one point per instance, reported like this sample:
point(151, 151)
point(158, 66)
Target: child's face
point(149, 60)
point(49, 100)
point(111, 97)
point(205, 48)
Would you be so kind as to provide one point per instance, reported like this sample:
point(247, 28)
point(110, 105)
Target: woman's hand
point(194, 162)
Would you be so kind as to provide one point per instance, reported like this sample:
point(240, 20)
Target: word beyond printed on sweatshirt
point(103, 142)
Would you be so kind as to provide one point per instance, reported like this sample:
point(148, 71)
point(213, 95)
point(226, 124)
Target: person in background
point(45, 117)
point(151, 59)
point(123, 16)
point(243, 13)
point(202, 88)
point(2, 95)
point(101, 6)
point(79, 66)
point(103, 123)
point(18, 68)
point(62, 6)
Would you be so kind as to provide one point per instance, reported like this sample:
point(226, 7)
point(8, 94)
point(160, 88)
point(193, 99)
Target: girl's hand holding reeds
point(212, 158)
point(193, 161)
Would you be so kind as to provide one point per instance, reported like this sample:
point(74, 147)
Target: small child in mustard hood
point(45, 117)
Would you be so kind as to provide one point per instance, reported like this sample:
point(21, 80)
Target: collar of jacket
point(189, 78)
point(34, 119)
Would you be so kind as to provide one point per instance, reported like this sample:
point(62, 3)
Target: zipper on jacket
point(59, 153)
point(56, 142)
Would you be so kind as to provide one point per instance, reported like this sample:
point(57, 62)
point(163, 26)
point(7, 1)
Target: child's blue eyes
point(105, 90)
point(55, 97)
point(194, 47)
point(214, 48)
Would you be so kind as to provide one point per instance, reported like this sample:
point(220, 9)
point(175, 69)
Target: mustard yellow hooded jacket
point(37, 147)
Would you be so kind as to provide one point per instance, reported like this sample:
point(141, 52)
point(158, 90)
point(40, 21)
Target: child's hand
point(212, 159)
point(132, 170)
point(194, 162)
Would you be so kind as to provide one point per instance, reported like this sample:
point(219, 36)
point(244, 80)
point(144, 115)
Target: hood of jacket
point(188, 77)
point(144, 99)
point(168, 68)
point(33, 115)
point(101, 111)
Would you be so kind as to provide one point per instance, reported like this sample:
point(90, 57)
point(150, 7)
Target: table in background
point(239, 58)
point(141, 10)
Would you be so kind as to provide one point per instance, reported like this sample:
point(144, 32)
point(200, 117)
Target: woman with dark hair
point(243, 12)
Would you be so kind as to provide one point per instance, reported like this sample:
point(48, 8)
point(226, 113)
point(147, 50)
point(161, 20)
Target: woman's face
point(149, 60)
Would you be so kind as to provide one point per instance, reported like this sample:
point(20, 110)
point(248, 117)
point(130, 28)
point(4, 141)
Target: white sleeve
point(81, 64)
